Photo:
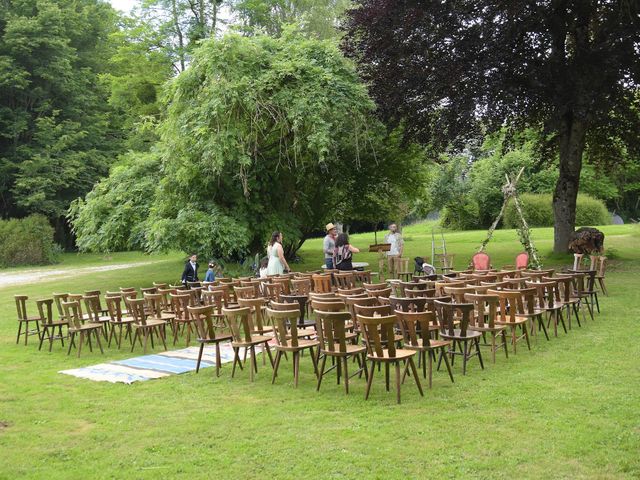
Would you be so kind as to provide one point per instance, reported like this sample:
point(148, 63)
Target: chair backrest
point(77, 297)
point(374, 286)
point(137, 310)
point(405, 304)
point(273, 291)
point(510, 304)
point(344, 280)
point(599, 264)
point(485, 308)
point(328, 305)
point(148, 290)
point(21, 306)
point(379, 331)
point(58, 298)
point(322, 283)
point(45, 310)
point(225, 288)
point(255, 284)
point(373, 310)
point(72, 313)
point(446, 315)
point(481, 261)
point(301, 286)
point(458, 293)
point(245, 292)
point(154, 304)
point(285, 282)
point(180, 302)
point(419, 292)
point(415, 327)
point(533, 275)
point(255, 305)
point(350, 292)
point(94, 293)
point(160, 285)
point(331, 330)
point(522, 261)
point(114, 306)
point(380, 292)
point(214, 299)
point(203, 318)
point(284, 325)
point(403, 265)
point(127, 289)
point(239, 322)
point(362, 277)
point(546, 292)
point(166, 299)
point(92, 307)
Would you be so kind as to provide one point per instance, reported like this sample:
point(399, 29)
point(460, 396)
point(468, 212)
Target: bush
point(27, 241)
point(463, 215)
point(538, 211)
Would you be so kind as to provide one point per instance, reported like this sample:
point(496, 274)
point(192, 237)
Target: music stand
point(381, 248)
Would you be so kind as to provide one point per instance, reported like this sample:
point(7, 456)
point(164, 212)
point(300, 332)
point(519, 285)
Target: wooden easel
point(381, 248)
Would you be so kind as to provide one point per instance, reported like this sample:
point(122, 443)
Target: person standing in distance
point(277, 263)
point(329, 245)
point(397, 247)
point(190, 273)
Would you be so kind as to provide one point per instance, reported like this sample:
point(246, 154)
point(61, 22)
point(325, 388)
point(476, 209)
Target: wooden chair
point(419, 292)
point(599, 264)
point(344, 280)
point(403, 271)
point(334, 342)
point(49, 324)
point(272, 291)
point(161, 285)
point(481, 261)
point(567, 298)
point(302, 301)
point(586, 290)
point(301, 286)
point(206, 329)
point(380, 293)
point(303, 330)
point(458, 293)
point(58, 298)
point(416, 326)
point(322, 283)
point(369, 287)
point(450, 316)
point(239, 321)
point(143, 326)
point(215, 299)
point(148, 290)
point(484, 321)
point(378, 331)
point(548, 300)
point(226, 292)
point(98, 306)
point(94, 313)
point(154, 304)
point(72, 315)
point(522, 261)
point(285, 282)
point(25, 319)
point(181, 318)
point(119, 320)
point(362, 277)
point(245, 292)
point(255, 284)
point(257, 305)
point(510, 306)
point(287, 340)
point(405, 304)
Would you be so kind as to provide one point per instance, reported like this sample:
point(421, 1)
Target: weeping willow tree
point(511, 194)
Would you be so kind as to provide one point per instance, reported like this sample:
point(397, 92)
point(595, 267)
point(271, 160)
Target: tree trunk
point(571, 145)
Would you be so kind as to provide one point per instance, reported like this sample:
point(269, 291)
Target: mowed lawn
point(569, 408)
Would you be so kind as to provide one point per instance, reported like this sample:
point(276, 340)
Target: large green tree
point(56, 131)
point(570, 68)
point(262, 134)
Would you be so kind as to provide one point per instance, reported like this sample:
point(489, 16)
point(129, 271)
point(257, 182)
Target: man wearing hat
point(329, 244)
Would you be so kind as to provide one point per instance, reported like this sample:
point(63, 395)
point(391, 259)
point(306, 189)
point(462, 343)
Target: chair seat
point(255, 340)
point(351, 350)
point(306, 332)
point(495, 328)
point(433, 344)
point(218, 339)
point(301, 345)
point(401, 354)
point(518, 321)
point(56, 323)
point(265, 328)
point(151, 323)
point(85, 327)
point(34, 318)
point(457, 335)
point(123, 321)
point(536, 312)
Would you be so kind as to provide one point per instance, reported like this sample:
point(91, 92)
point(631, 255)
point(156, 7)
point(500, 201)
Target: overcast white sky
point(124, 5)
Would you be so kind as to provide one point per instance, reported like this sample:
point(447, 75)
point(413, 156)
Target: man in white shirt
point(397, 247)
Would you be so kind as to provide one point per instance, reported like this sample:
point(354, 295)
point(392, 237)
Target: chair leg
point(544, 329)
point(443, 355)
point(595, 295)
point(80, 342)
point(464, 357)
point(526, 335)
point(369, 380)
point(135, 337)
point(98, 332)
point(430, 368)
point(236, 359)
point(19, 330)
point(477, 342)
point(218, 359)
point(268, 349)
point(275, 367)
point(397, 365)
point(493, 347)
point(199, 357)
point(386, 374)
point(146, 337)
point(324, 361)
point(253, 367)
point(296, 368)
point(71, 342)
point(504, 344)
point(602, 287)
point(44, 331)
point(415, 375)
point(162, 333)
point(315, 363)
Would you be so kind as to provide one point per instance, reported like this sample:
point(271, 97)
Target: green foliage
point(56, 136)
point(27, 241)
point(112, 216)
point(538, 211)
point(461, 215)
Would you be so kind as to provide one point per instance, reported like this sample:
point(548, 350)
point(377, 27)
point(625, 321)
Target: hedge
point(27, 241)
point(538, 211)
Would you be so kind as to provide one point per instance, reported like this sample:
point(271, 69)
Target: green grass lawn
point(569, 408)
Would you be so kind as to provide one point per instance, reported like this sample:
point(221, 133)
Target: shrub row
point(538, 211)
point(27, 241)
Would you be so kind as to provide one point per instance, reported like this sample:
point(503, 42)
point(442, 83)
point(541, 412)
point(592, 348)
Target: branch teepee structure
point(510, 193)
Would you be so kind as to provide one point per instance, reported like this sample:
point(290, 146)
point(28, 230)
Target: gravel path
point(45, 274)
